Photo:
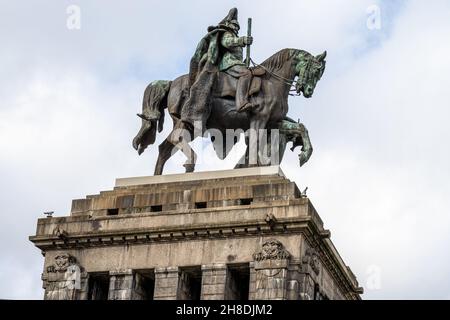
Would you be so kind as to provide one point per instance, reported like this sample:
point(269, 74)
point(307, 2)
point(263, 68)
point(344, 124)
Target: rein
point(279, 78)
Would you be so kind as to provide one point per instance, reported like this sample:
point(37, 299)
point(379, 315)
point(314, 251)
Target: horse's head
point(309, 70)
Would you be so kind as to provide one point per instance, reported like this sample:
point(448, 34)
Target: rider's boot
point(243, 87)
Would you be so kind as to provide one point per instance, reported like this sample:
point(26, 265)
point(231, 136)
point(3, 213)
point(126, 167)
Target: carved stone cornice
point(182, 233)
point(338, 270)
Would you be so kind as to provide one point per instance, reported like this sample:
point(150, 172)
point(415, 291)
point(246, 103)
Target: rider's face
point(235, 27)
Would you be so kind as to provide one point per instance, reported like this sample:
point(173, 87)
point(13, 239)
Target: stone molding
point(275, 213)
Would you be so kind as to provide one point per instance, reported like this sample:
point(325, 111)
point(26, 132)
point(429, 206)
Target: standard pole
point(249, 34)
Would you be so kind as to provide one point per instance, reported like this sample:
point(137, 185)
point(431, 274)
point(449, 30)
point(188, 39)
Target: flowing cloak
point(203, 73)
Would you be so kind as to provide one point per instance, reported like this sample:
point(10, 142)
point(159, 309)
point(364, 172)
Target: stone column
point(271, 269)
point(252, 286)
point(307, 288)
point(293, 290)
point(294, 280)
point(310, 273)
point(166, 283)
point(121, 284)
point(213, 281)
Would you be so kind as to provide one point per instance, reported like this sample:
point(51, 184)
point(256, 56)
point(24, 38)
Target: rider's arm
point(229, 41)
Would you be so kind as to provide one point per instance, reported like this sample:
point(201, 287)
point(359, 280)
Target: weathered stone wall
point(214, 278)
point(166, 283)
point(160, 231)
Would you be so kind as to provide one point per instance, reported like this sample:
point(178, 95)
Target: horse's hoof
point(189, 167)
point(136, 143)
point(303, 158)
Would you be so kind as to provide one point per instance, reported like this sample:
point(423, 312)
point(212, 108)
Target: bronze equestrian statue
point(221, 94)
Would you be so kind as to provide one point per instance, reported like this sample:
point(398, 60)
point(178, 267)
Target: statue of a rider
point(220, 50)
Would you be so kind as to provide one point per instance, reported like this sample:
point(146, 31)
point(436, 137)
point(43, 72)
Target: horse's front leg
point(307, 148)
point(282, 143)
point(244, 162)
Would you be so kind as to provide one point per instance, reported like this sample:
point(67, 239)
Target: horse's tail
point(153, 105)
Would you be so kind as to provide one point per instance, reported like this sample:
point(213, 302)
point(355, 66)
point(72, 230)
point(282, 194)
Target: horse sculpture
point(276, 76)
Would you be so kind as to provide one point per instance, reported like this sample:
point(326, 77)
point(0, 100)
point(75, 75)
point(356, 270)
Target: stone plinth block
point(233, 234)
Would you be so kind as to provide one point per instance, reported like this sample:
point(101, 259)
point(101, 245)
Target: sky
point(378, 176)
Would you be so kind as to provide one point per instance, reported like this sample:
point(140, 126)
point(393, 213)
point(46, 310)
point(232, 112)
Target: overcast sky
point(379, 174)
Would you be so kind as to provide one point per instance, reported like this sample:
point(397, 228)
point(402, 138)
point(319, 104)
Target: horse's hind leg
point(180, 137)
point(244, 162)
point(190, 154)
point(165, 152)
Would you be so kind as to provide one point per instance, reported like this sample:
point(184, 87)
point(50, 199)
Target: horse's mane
point(277, 60)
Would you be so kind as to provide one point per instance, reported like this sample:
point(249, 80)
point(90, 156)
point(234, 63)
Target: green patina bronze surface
point(221, 92)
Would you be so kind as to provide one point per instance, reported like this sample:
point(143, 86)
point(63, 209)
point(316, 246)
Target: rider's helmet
point(230, 21)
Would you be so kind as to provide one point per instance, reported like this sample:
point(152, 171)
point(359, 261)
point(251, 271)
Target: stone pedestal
point(235, 234)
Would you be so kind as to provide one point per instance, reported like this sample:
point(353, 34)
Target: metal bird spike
point(303, 193)
point(49, 213)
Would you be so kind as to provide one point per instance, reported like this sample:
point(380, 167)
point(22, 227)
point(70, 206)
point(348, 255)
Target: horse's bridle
point(302, 77)
point(275, 75)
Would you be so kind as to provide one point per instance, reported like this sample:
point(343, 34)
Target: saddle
point(258, 71)
point(255, 86)
point(226, 84)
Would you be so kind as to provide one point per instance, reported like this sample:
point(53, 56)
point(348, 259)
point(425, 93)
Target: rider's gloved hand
point(248, 40)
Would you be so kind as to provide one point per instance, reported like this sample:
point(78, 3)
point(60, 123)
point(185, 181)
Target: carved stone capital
point(271, 249)
point(61, 263)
